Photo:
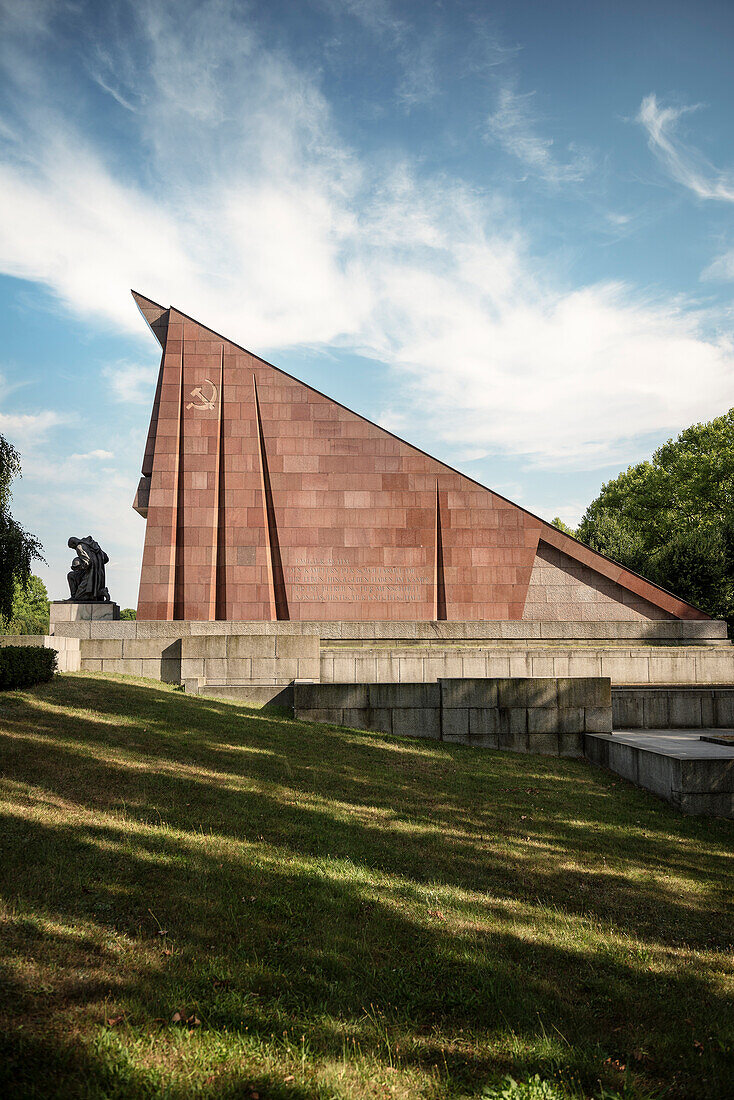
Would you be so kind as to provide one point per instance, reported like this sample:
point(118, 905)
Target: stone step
point(685, 766)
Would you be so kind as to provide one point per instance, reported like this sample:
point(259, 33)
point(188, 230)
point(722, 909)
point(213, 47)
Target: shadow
point(443, 911)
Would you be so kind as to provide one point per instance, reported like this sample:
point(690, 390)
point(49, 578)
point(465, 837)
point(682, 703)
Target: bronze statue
point(87, 577)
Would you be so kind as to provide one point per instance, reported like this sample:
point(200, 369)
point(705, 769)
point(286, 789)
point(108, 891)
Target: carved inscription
point(335, 580)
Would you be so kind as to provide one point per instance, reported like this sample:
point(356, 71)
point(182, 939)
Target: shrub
point(23, 665)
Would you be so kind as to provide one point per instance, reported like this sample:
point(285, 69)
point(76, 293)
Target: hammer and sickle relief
point(206, 402)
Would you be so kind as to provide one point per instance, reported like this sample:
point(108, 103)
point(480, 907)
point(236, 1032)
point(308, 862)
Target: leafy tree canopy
point(30, 612)
point(672, 518)
point(129, 614)
point(18, 548)
point(558, 522)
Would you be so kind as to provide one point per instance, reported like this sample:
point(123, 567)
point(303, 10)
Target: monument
point(87, 575)
point(265, 500)
point(298, 555)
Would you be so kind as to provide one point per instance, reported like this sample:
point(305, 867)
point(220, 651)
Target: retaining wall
point(664, 652)
point(545, 715)
point(673, 708)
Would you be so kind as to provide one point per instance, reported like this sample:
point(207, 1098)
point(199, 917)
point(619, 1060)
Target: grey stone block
point(598, 719)
point(367, 718)
point(405, 695)
point(150, 667)
point(192, 667)
point(542, 720)
point(707, 776)
point(483, 726)
point(410, 669)
point(123, 666)
point(474, 666)
point(468, 692)
point(545, 744)
point(655, 710)
point(351, 696)
point(251, 645)
point(723, 709)
point(332, 716)
point(170, 671)
point(205, 645)
point(520, 630)
point(268, 669)
point(570, 720)
point(455, 725)
point(365, 670)
point(714, 669)
point(571, 744)
point(527, 692)
point(657, 773)
point(626, 669)
point(513, 728)
point(627, 709)
point(149, 628)
point(439, 667)
point(307, 646)
point(91, 664)
point(417, 722)
point(584, 691)
point(711, 805)
point(71, 630)
point(111, 629)
point(147, 647)
point(100, 648)
point(684, 709)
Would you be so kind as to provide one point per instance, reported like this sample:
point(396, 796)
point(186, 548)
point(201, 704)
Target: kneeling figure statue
point(87, 578)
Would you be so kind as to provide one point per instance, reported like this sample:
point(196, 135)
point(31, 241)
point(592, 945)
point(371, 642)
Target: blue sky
point(503, 231)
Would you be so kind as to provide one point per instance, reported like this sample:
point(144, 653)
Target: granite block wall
point(541, 715)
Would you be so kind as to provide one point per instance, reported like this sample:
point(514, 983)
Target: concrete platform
point(695, 775)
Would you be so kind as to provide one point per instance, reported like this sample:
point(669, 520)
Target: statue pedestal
point(65, 612)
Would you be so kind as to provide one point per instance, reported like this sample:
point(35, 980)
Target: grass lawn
point(200, 900)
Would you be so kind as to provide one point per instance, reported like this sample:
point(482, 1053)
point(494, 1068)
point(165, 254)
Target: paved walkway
point(683, 744)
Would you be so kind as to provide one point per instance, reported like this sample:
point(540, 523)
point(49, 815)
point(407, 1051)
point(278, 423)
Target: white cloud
point(92, 454)
point(27, 428)
point(514, 126)
point(721, 268)
point(255, 217)
point(684, 162)
point(131, 382)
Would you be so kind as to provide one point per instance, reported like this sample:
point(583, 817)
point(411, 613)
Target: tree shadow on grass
point(294, 896)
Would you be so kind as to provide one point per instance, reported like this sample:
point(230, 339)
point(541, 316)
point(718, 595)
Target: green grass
point(347, 915)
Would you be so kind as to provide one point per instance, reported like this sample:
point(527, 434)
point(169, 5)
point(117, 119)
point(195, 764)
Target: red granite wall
point(268, 500)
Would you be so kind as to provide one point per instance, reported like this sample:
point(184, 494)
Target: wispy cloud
point(131, 382)
point(514, 126)
point(100, 454)
point(683, 161)
point(25, 429)
point(721, 268)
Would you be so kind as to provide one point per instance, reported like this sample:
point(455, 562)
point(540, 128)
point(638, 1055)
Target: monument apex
point(266, 500)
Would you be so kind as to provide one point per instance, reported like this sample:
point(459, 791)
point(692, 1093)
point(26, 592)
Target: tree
point(672, 518)
point(30, 612)
point(129, 614)
point(558, 522)
point(17, 547)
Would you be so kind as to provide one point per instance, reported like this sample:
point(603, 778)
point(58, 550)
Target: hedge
point(23, 665)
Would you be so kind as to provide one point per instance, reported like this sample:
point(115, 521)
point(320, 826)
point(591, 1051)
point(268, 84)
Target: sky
point(501, 230)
